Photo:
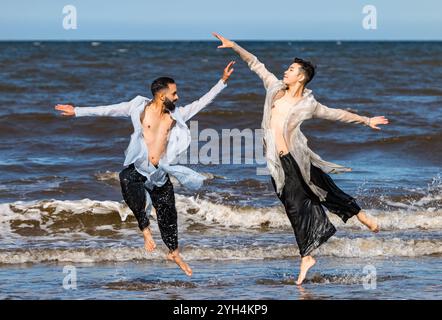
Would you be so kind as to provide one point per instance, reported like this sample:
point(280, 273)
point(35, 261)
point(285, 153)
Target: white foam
point(212, 214)
point(46, 212)
point(113, 177)
point(430, 197)
point(337, 247)
point(107, 176)
point(193, 210)
point(375, 246)
point(196, 210)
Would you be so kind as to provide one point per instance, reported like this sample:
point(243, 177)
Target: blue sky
point(238, 19)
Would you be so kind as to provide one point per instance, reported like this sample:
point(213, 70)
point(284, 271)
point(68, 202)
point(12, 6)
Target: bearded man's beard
point(169, 105)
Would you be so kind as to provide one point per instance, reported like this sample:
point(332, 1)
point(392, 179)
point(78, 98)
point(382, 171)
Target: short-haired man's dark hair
point(160, 84)
point(307, 67)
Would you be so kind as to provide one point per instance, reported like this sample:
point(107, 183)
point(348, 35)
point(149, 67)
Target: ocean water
point(60, 201)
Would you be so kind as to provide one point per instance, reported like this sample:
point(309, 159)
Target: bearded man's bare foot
point(149, 243)
point(175, 257)
point(306, 263)
point(370, 223)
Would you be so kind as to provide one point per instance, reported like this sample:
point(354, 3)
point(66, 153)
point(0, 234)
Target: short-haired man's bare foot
point(306, 263)
point(175, 257)
point(149, 243)
point(370, 223)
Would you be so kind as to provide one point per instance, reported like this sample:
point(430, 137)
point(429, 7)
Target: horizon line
point(210, 40)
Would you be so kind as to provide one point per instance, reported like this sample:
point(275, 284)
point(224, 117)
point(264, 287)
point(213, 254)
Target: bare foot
point(370, 223)
point(306, 263)
point(149, 243)
point(175, 257)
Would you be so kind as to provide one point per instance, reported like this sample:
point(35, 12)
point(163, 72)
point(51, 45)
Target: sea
point(66, 233)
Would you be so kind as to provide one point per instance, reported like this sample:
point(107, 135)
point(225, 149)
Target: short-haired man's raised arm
point(252, 61)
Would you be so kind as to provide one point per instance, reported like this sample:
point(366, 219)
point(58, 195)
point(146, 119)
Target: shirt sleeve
point(122, 109)
point(256, 66)
point(193, 108)
point(333, 114)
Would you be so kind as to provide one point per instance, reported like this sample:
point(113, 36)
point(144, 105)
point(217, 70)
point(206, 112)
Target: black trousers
point(163, 200)
point(304, 208)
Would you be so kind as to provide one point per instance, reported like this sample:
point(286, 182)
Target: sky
point(237, 19)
